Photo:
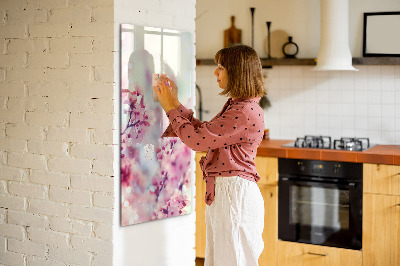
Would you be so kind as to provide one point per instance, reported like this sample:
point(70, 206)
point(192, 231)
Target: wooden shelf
point(312, 61)
point(288, 62)
point(268, 62)
point(376, 61)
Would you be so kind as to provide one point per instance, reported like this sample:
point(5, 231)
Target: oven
point(320, 202)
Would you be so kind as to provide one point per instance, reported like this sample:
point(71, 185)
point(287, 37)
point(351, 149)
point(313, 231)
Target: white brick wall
point(56, 121)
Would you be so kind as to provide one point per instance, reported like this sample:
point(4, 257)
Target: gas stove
point(325, 142)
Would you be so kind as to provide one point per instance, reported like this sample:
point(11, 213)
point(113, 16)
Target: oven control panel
point(330, 169)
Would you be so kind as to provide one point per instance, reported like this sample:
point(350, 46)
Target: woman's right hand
point(174, 90)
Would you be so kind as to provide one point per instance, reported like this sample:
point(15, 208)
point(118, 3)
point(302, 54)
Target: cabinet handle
point(319, 254)
point(398, 204)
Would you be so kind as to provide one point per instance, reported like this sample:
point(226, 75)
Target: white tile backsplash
point(387, 124)
point(361, 124)
point(374, 110)
point(347, 110)
point(387, 72)
point(388, 97)
point(397, 123)
point(364, 103)
point(322, 95)
point(388, 83)
point(348, 123)
point(310, 109)
point(348, 95)
point(390, 136)
point(374, 123)
point(322, 109)
point(374, 83)
point(388, 110)
point(397, 95)
point(322, 121)
point(397, 72)
point(361, 110)
point(360, 97)
point(374, 97)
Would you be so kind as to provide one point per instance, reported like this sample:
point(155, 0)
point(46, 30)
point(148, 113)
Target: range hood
point(334, 51)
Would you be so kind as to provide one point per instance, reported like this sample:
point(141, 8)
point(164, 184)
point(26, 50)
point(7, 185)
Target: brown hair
point(245, 78)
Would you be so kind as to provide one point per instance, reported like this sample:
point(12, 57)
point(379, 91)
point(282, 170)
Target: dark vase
point(290, 49)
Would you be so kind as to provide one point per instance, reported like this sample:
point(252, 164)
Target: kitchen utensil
point(269, 38)
point(252, 9)
point(232, 35)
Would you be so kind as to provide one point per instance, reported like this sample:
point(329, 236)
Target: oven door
point(320, 212)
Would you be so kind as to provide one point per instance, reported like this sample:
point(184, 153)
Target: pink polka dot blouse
point(231, 139)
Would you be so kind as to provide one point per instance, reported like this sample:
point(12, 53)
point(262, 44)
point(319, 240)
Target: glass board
point(155, 172)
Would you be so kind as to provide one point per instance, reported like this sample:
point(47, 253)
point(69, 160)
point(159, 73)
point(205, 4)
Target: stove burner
point(351, 144)
point(308, 141)
point(324, 142)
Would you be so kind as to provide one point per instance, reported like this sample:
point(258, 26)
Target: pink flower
point(167, 192)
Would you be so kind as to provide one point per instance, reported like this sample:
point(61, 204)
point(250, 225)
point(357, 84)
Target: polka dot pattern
point(231, 139)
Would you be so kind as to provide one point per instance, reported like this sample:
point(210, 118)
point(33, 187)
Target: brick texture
point(27, 247)
point(28, 219)
point(20, 46)
point(51, 98)
point(71, 44)
point(48, 237)
point(58, 72)
point(13, 89)
point(71, 226)
point(91, 214)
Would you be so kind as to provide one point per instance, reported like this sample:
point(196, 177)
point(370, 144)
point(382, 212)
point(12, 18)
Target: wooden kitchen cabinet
point(270, 233)
point(267, 167)
point(200, 209)
point(299, 254)
point(381, 179)
point(381, 230)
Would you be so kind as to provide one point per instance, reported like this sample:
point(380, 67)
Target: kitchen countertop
point(379, 154)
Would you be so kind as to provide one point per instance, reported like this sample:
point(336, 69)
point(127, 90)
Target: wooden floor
point(199, 262)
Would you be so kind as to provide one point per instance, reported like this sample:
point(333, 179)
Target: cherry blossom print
point(156, 176)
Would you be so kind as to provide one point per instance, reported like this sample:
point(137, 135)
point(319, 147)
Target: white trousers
point(234, 223)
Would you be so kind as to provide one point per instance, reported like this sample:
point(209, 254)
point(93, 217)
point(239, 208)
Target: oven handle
point(297, 181)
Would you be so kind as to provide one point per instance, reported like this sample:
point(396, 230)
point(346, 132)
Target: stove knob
point(336, 169)
point(302, 167)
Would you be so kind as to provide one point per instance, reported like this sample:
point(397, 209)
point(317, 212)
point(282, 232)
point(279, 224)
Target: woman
point(235, 207)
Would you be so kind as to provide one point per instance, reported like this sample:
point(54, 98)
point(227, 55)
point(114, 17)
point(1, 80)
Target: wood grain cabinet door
point(270, 233)
point(200, 209)
point(298, 254)
point(381, 179)
point(267, 168)
point(381, 230)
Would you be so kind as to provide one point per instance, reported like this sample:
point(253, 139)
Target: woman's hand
point(164, 94)
point(174, 90)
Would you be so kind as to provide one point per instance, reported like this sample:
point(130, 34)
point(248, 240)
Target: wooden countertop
point(379, 154)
